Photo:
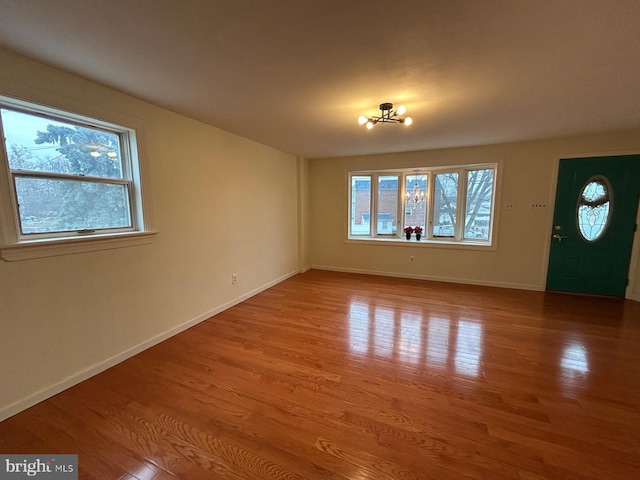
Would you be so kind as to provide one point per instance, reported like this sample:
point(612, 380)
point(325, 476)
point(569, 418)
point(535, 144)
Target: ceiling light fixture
point(389, 115)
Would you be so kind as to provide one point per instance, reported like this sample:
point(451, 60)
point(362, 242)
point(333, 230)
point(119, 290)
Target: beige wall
point(527, 173)
point(63, 318)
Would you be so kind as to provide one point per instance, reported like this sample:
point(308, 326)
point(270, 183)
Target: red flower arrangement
point(415, 229)
point(409, 229)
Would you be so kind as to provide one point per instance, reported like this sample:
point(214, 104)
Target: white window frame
point(17, 246)
point(427, 235)
point(373, 215)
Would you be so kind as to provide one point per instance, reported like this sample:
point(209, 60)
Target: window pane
point(360, 205)
point(477, 217)
point(46, 145)
point(387, 205)
point(445, 204)
point(415, 206)
point(54, 205)
point(594, 209)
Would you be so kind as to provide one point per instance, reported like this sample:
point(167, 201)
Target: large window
point(447, 205)
point(67, 176)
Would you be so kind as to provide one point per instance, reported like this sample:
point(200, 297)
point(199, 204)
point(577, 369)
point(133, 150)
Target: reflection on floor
point(407, 337)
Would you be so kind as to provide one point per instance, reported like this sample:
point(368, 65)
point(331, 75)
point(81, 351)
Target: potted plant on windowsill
point(408, 231)
point(418, 231)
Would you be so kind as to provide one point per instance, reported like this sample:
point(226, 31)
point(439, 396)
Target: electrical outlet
point(234, 279)
point(412, 259)
point(508, 206)
point(538, 206)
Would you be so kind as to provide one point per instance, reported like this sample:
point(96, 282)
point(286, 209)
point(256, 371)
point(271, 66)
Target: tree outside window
point(67, 177)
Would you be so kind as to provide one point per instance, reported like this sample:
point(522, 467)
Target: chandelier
point(415, 195)
point(389, 115)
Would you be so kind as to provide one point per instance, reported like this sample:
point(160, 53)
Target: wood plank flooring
point(339, 376)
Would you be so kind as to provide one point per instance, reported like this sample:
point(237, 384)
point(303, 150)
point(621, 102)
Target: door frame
point(634, 280)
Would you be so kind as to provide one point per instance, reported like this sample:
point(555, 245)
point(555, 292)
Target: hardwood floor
point(340, 376)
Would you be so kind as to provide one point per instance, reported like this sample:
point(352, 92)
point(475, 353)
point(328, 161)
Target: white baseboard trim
point(518, 286)
point(96, 368)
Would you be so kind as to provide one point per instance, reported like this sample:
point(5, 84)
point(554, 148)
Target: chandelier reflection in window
point(415, 194)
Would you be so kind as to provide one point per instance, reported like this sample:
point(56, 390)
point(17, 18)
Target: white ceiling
point(296, 74)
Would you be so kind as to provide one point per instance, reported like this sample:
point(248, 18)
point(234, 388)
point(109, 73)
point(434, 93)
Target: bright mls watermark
point(46, 466)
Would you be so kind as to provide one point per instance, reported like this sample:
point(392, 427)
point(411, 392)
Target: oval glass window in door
point(594, 208)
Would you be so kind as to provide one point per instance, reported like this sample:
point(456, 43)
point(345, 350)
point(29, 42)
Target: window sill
point(430, 243)
point(66, 246)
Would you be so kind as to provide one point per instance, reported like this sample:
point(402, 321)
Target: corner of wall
point(303, 214)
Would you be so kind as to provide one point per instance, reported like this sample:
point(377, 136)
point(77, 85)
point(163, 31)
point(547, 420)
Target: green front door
point(593, 225)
